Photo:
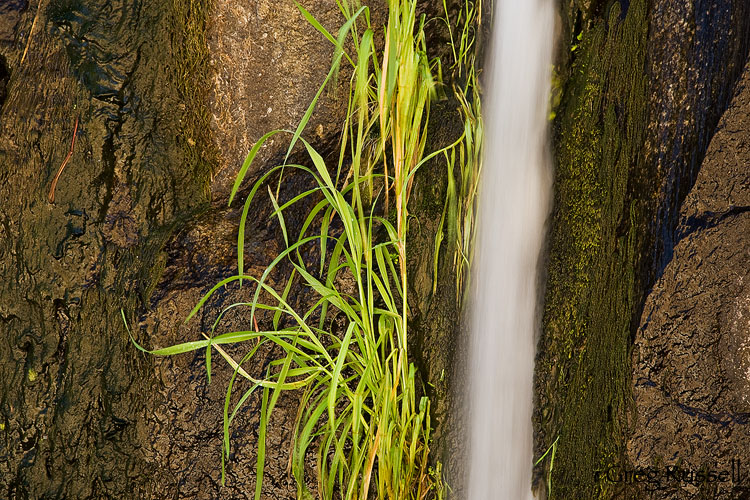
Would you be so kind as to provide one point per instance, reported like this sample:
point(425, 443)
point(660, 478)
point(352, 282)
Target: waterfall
point(513, 205)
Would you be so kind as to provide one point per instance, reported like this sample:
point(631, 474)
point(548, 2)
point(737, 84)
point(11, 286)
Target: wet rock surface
point(697, 52)
point(76, 402)
point(691, 359)
point(84, 414)
point(189, 429)
point(268, 63)
point(438, 340)
point(137, 226)
point(644, 85)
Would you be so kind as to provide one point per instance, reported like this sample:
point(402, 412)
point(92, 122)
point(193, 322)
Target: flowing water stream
point(514, 203)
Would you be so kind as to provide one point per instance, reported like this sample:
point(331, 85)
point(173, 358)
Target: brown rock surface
point(691, 358)
point(269, 62)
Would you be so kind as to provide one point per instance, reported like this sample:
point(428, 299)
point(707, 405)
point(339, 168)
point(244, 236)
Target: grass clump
point(464, 158)
point(346, 354)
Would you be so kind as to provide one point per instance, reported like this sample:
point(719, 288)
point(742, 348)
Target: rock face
point(643, 86)
point(691, 358)
point(268, 63)
point(82, 413)
point(76, 402)
point(697, 51)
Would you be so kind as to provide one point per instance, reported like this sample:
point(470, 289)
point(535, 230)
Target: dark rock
point(644, 85)
point(691, 376)
point(697, 52)
point(76, 402)
point(267, 71)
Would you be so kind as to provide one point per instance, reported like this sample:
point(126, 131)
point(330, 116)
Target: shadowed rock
point(691, 377)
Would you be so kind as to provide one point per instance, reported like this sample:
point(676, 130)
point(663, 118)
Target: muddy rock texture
point(437, 341)
point(76, 402)
point(83, 414)
point(268, 64)
point(691, 359)
point(168, 98)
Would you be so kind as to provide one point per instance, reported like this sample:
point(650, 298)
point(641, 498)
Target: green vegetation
point(457, 221)
point(359, 413)
point(583, 366)
point(551, 451)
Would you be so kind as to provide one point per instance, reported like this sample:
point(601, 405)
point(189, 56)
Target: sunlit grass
point(346, 354)
point(465, 157)
point(551, 451)
point(358, 414)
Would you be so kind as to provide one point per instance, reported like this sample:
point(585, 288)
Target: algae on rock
point(622, 160)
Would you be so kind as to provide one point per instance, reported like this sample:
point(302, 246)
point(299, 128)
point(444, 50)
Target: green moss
point(583, 364)
point(193, 147)
point(191, 75)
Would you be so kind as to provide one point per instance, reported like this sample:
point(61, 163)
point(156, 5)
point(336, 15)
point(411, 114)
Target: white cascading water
point(513, 206)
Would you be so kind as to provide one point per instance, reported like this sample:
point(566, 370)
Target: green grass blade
point(338, 53)
point(333, 387)
point(248, 160)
